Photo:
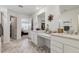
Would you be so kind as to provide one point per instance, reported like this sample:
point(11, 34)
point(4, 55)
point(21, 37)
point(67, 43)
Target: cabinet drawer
point(58, 50)
point(69, 41)
point(70, 49)
point(57, 44)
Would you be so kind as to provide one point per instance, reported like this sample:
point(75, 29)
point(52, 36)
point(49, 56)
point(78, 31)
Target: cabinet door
point(70, 49)
point(31, 36)
point(56, 47)
point(57, 44)
point(35, 38)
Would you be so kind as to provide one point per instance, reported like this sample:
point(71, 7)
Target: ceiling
point(26, 9)
point(31, 9)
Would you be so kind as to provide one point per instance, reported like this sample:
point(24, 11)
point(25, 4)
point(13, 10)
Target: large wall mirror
point(41, 21)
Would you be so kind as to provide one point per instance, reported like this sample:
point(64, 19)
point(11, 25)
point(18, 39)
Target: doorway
point(24, 27)
point(13, 27)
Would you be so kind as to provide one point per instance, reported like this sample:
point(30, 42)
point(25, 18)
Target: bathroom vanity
point(57, 42)
point(64, 43)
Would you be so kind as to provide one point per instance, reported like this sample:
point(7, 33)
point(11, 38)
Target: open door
point(13, 27)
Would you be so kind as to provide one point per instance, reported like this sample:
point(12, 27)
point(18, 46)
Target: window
point(25, 25)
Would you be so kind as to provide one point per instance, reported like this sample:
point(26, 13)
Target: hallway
point(19, 46)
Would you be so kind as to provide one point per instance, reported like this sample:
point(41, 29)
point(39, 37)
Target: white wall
point(55, 11)
point(5, 24)
point(71, 15)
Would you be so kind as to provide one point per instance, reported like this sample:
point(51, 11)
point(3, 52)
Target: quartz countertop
point(44, 35)
point(70, 36)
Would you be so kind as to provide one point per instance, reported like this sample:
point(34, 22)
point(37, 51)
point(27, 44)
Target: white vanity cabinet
point(70, 49)
point(34, 37)
point(57, 43)
point(71, 46)
point(56, 46)
point(61, 44)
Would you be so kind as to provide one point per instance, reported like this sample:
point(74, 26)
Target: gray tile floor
point(19, 46)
